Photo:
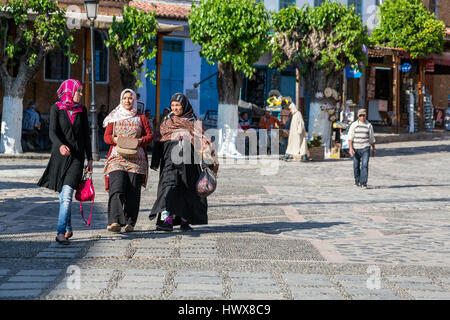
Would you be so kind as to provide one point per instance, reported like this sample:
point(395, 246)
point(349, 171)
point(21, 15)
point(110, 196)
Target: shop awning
point(79, 20)
point(104, 22)
point(384, 51)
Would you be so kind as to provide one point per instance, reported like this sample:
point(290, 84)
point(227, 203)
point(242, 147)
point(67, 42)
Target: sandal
point(68, 235)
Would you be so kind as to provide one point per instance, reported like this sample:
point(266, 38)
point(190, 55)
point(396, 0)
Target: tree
point(319, 41)
point(133, 41)
point(409, 25)
point(233, 34)
point(29, 31)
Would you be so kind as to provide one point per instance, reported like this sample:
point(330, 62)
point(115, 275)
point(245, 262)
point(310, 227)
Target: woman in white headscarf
point(125, 174)
point(297, 143)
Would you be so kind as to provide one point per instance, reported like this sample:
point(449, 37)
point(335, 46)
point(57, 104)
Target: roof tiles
point(163, 10)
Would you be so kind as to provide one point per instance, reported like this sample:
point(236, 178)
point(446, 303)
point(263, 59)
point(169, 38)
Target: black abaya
point(66, 170)
point(177, 187)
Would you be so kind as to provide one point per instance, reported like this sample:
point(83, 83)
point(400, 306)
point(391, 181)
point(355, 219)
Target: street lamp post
point(91, 12)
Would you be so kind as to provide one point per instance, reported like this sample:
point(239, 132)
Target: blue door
point(172, 75)
point(287, 87)
point(209, 98)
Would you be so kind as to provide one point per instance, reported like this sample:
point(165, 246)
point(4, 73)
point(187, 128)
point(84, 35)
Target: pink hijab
point(66, 92)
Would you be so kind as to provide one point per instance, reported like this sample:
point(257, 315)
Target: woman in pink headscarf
point(71, 146)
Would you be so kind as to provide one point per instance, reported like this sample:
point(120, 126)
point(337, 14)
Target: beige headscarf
point(120, 113)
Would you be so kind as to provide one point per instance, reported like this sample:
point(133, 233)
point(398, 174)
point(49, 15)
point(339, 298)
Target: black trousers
point(124, 197)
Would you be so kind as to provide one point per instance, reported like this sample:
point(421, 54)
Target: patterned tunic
point(135, 164)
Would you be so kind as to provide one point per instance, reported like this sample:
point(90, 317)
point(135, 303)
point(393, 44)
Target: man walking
point(361, 137)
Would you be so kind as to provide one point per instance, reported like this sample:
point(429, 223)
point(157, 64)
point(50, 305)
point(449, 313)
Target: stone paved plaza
point(277, 230)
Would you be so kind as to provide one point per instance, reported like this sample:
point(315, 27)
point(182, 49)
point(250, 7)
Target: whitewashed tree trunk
point(227, 124)
point(229, 81)
point(11, 127)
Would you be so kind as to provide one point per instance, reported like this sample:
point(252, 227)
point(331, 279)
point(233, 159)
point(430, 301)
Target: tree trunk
point(14, 91)
point(229, 82)
point(127, 79)
point(317, 80)
point(11, 125)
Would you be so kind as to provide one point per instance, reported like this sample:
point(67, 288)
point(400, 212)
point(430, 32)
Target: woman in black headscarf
point(177, 200)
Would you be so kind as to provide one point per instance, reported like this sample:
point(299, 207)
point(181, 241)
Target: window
point(56, 66)
point(357, 4)
point(286, 3)
point(173, 46)
point(101, 57)
point(318, 3)
point(379, 2)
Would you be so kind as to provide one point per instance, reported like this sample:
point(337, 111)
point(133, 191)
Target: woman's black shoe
point(186, 227)
point(62, 240)
point(164, 227)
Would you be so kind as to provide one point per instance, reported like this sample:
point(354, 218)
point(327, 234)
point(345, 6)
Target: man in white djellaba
point(297, 142)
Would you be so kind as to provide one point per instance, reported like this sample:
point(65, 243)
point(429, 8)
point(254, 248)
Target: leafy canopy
point(48, 30)
point(133, 40)
point(330, 36)
point(232, 31)
point(409, 25)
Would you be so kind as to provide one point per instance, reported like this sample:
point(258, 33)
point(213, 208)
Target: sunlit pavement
point(277, 230)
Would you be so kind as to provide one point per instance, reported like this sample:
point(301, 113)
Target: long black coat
point(177, 187)
point(67, 170)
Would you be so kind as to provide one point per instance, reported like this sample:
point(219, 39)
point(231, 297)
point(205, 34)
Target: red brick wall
point(44, 92)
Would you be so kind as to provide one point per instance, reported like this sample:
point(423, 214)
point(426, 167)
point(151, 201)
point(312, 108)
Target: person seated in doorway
point(244, 123)
point(269, 122)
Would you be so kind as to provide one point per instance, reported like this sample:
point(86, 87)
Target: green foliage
point(409, 25)
point(316, 141)
point(133, 40)
point(48, 30)
point(329, 36)
point(233, 31)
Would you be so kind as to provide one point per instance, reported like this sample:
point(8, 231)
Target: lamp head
point(91, 7)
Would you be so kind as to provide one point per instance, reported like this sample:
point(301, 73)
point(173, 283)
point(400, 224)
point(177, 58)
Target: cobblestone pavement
point(277, 230)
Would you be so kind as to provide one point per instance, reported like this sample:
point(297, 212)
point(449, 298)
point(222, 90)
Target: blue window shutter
point(209, 97)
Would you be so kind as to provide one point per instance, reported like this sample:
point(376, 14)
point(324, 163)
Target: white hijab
point(120, 113)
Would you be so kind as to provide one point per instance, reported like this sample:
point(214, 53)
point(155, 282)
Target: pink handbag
point(86, 192)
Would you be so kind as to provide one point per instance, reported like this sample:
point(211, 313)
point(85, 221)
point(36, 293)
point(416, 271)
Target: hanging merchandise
point(411, 110)
point(339, 125)
point(428, 111)
point(447, 119)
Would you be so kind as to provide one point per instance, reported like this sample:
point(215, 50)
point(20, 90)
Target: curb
point(380, 139)
point(26, 155)
point(35, 155)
